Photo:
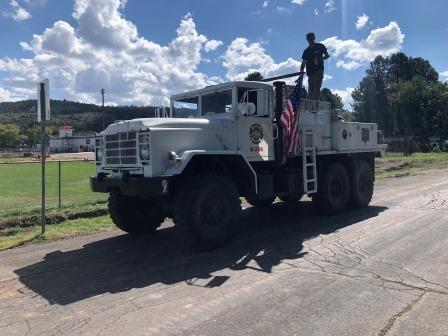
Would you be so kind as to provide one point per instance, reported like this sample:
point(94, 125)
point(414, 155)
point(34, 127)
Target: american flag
point(290, 121)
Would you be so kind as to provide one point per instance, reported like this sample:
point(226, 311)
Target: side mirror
point(247, 109)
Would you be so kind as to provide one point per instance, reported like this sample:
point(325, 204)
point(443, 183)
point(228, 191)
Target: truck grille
point(121, 149)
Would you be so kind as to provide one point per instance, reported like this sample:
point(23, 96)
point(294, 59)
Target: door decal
point(256, 133)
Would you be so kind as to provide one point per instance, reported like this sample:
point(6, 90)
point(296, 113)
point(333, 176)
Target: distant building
point(68, 142)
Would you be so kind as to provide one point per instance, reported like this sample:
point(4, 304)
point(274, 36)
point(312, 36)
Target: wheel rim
point(213, 213)
point(336, 190)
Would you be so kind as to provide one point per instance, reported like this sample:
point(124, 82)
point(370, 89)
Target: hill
point(83, 117)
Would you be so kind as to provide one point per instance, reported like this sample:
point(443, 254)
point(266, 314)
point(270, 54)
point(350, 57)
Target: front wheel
point(211, 212)
point(134, 215)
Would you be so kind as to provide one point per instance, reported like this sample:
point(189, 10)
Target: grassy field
point(20, 188)
point(398, 165)
point(9, 159)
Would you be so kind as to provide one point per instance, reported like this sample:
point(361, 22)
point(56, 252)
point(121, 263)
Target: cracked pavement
point(292, 271)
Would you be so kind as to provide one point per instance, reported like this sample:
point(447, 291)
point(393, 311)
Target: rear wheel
point(134, 215)
point(333, 189)
point(362, 184)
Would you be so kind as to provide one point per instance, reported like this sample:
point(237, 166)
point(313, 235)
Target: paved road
point(379, 271)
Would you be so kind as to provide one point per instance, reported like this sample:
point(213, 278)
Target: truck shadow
point(121, 263)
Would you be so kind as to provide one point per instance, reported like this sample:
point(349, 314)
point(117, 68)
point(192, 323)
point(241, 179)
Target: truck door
point(255, 131)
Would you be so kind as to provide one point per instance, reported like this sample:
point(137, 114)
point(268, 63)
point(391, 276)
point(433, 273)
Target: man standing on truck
point(313, 58)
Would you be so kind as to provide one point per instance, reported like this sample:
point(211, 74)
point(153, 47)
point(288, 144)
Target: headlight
point(99, 154)
point(145, 152)
point(173, 158)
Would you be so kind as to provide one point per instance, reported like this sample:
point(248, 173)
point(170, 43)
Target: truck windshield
point(216, 103)
point(186, 107)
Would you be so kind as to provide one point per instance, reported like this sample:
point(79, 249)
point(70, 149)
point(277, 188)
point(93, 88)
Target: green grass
point(9, 159)
point(398, 165)
point(13, 237)
point(20, 188)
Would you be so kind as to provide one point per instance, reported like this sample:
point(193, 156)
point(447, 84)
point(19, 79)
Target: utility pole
point(104, 113)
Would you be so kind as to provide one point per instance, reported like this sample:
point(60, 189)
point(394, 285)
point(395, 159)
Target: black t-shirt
point(314, 58)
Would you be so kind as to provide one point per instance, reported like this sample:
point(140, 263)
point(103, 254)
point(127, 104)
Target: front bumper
point(132, 186)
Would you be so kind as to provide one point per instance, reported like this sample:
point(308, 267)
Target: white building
point(67, 142)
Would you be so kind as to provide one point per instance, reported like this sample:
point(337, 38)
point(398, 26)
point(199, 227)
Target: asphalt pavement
point(292, 271)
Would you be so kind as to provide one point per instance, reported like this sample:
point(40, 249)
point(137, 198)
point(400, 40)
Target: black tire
point(134, 215)
point(291, 199)
point(212, 214)
point(183, 201)
point(260, 203)
point(333, 192)
point(362, 184)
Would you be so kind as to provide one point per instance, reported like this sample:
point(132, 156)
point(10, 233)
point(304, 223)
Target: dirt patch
point(399, 166)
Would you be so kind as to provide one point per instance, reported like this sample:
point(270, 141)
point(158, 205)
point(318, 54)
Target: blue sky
point(143, 51)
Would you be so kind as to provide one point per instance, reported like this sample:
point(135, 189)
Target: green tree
point(33, 134)
point(9, 135)
point(403, 95)
point(334, 99)
point(254, 76)
point(367, 102)
point(420, 108)
point(370, 101)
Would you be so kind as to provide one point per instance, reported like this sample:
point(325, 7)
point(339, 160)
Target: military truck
point(217, 145)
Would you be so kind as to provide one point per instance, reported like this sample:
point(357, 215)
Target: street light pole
point(42, 153)
point(102, 97)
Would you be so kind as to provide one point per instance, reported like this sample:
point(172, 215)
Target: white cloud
point(36, 2)
point(5, 95)
point(212, 45)
point(362, 21)
point(316, 12)
point(265, 4)
point(243, 57)
point(102, 24)
point(330, 6)
point(298, 2)
point(346, 96)
point(444, 75)
point(352, 54)
point(283, 10)
point(18, 13)
point(104, 49)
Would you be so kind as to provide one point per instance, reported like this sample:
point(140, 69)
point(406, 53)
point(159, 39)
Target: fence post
point(59, 184)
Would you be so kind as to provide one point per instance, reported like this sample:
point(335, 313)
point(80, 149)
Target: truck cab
point(245, 110)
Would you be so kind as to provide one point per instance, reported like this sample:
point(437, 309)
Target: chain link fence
point(67, 188)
